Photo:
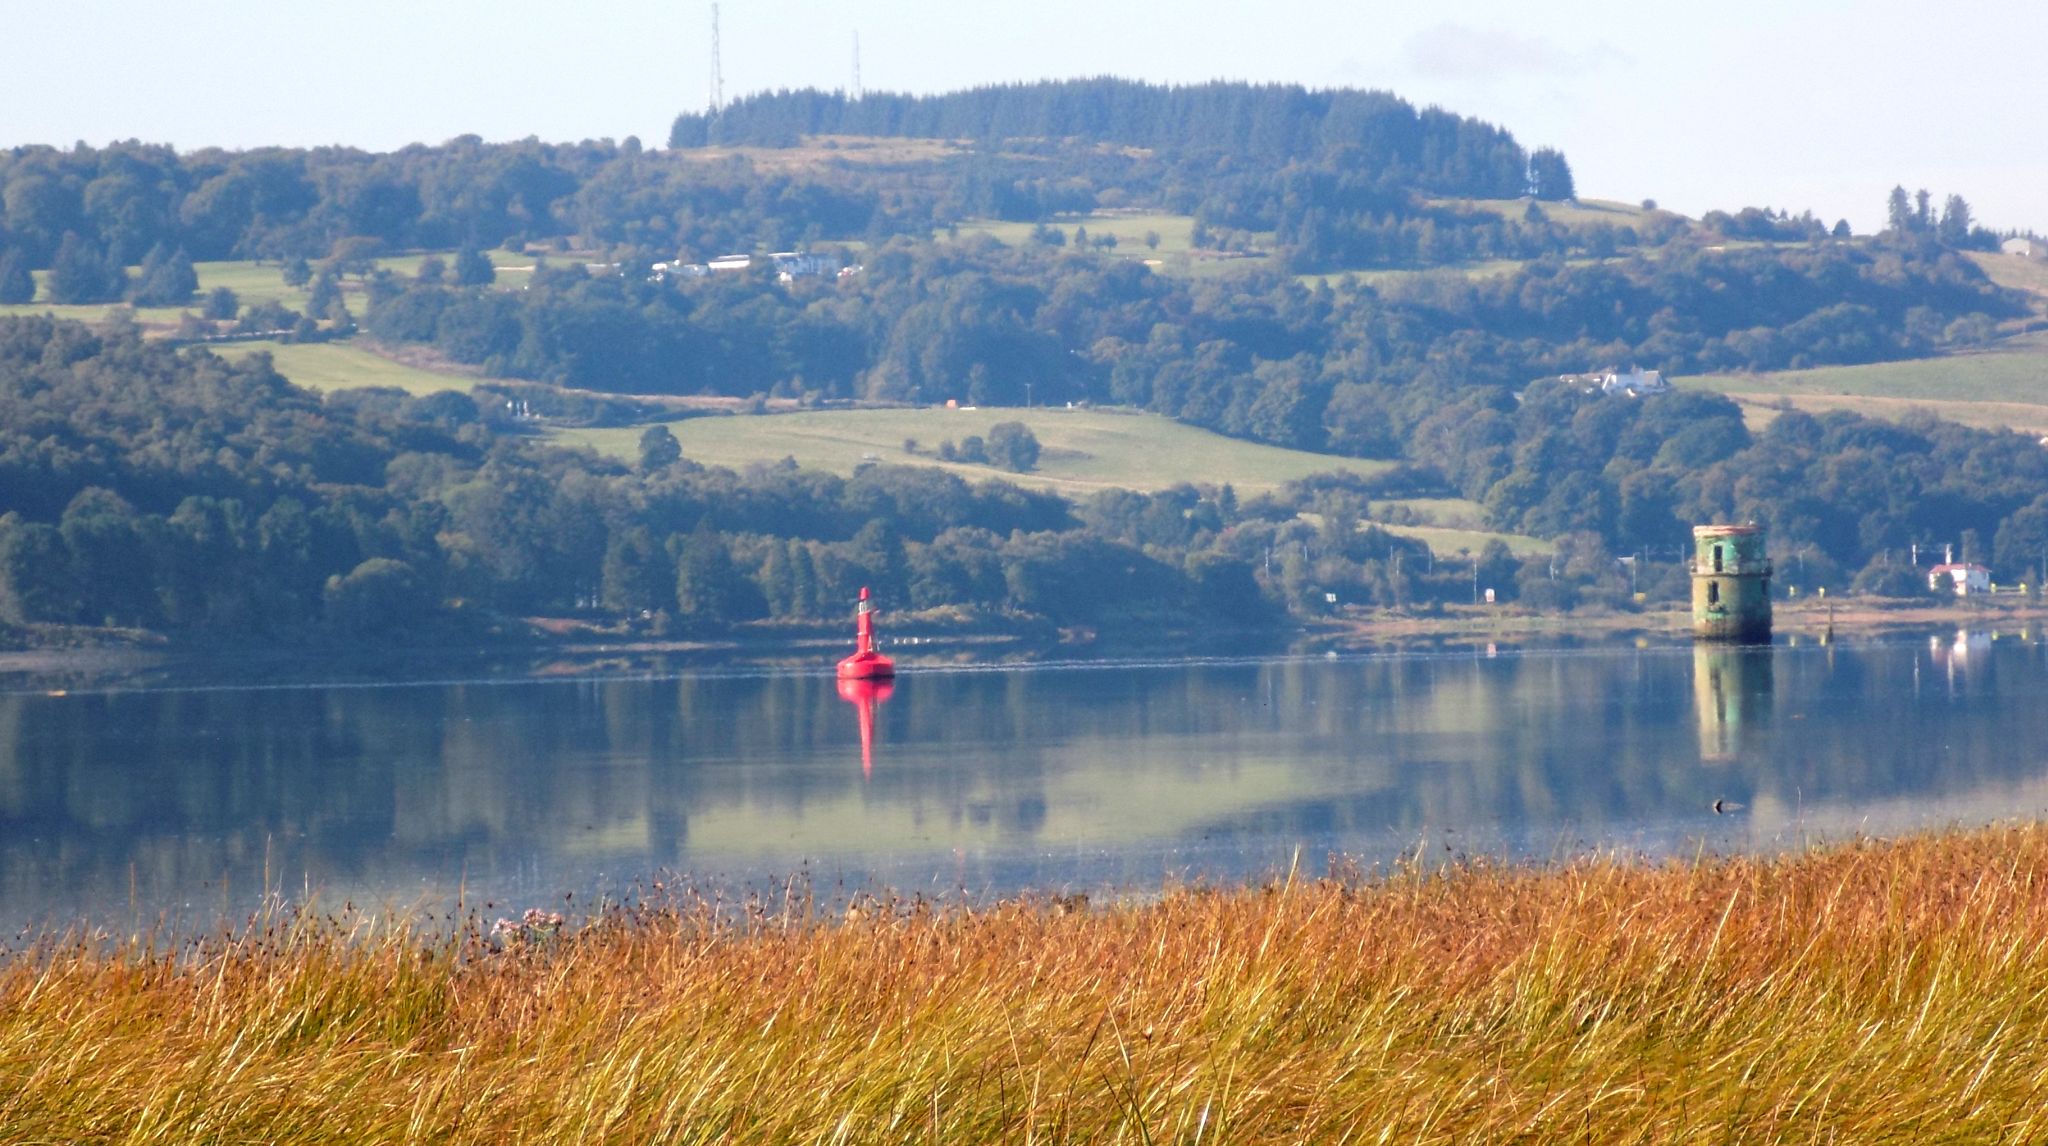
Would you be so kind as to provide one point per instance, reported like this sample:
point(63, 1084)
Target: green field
point(255, 282)
point(2005, 386)
point(1175, 253)
point(1575, 213)
point(1084, 450)
point(342, 366)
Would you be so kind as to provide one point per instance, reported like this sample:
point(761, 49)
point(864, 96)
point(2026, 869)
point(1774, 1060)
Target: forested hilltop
point(1352, 277)
point(1339, 175)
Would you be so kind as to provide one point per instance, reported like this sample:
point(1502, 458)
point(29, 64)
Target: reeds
point(1876, 992)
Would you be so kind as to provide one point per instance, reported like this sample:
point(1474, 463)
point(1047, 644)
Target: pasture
point(1176, 252)
point(2004, 386)
point(1084, 450)
point(326, 366)
point(255, 282)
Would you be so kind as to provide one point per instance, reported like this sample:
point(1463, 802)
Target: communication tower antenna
point(717, 72)
point(856, 65)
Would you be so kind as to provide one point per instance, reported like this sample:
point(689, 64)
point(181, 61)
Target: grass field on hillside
point(342, 366)
point(1174, 254)
point(1576, 213)
point(1084, 450)
point(832, 150)
point(253, 282)
point(1175, 232)
point(2013, 272)
point(2005, 386)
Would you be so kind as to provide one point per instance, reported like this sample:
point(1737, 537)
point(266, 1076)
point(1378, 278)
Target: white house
point(2025, 248)
point(1961, 578)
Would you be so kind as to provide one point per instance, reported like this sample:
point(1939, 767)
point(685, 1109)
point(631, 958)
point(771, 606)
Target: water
point(186, 803)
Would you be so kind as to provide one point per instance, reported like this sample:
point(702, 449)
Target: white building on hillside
point(1634, 383)
point(792, 265)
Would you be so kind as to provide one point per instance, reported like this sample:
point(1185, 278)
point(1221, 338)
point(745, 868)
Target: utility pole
point(856, 64)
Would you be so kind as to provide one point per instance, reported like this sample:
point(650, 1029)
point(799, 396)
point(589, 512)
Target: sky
point(1794, 104)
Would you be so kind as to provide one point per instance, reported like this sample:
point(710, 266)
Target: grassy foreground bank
point(1881, 992)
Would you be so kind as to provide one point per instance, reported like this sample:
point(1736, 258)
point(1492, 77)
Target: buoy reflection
point(865, 695)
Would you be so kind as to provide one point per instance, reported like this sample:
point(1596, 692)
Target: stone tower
point(1731, 583)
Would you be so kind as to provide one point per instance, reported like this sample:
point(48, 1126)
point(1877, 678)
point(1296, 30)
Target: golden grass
point(1878, 992)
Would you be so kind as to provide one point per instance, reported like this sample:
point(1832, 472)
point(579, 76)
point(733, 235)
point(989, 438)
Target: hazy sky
point(1820, 104)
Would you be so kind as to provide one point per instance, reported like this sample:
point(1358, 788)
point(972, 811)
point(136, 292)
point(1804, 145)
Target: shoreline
point(580, 649)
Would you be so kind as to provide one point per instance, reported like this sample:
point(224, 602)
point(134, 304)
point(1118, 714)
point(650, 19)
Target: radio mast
point(717, 72)
point(856, 65)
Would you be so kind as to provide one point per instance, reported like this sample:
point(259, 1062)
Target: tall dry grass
point(1880, 992)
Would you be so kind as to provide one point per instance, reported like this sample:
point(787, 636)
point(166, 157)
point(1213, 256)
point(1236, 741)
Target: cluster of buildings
point(789, 266)
point(1633, 383)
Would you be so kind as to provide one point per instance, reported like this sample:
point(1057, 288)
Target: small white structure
point(793, 265)
point(1963, 579)
point(731, 263)
point(660, 272)
point(2025, 248)
point(1633, 383)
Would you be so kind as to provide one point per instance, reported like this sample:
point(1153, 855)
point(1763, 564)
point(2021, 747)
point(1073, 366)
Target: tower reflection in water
point(1732, 691)
point(866, 695)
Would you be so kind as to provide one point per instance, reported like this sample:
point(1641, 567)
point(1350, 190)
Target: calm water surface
point(184, 802)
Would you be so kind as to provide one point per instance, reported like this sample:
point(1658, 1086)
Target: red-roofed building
point(1963, 579)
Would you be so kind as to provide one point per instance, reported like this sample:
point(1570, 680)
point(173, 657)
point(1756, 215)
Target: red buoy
point(865, 663)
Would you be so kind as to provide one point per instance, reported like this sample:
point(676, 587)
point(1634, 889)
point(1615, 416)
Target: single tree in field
point(297, 271)
point(1550, 177)
point(473, 268)
point(324, 297)
point(16, 283)
point(432, 269)
point(81, 274)
point(167, 278)
point(1012, 446)
point(659, 449)
point(221, 304)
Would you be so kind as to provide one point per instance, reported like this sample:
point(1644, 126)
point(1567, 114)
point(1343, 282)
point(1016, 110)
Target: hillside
point(2002, 384)
point(1086, 452)
point(1352, 312)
